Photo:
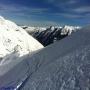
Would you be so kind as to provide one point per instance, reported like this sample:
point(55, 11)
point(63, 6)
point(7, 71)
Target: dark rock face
point(49, 36)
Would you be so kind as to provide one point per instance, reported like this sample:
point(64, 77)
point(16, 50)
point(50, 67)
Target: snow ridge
point(13, 39)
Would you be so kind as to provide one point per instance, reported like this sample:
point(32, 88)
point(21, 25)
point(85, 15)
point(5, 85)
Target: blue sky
point(46, 12)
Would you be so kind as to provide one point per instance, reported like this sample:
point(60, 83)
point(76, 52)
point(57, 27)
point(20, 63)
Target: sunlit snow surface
point(14, 39)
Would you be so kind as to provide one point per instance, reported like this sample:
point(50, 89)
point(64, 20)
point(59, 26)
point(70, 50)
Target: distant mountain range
point(49, 35)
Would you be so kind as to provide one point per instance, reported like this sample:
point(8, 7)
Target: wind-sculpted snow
point(64, 65)
point(65, 73)
point(14, 39)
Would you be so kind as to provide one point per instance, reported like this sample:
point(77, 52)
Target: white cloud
point(83, 9)
point(68, 15)
point(40, 22)
point(72, 1)
point(51, 1)
point(21, 9)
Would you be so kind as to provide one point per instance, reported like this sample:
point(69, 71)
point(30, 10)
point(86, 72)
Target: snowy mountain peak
point(14, 39)
point(69, 29)
point(1, 20)
point(52, 28)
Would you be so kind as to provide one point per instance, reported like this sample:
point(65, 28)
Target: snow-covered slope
point(65, 65)
point(15, 39)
